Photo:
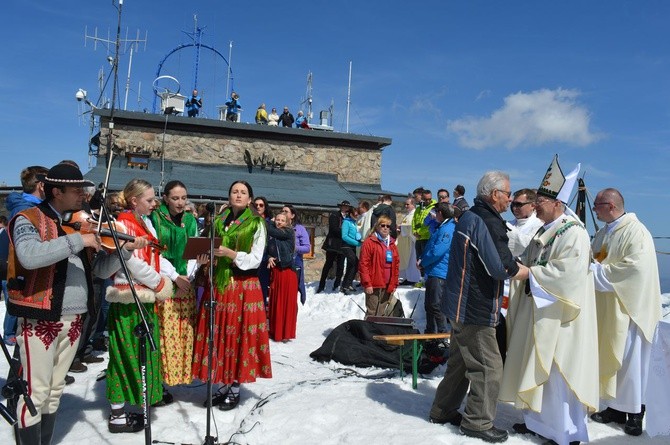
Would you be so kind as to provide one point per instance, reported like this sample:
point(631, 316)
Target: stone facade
point(209, 148)
point(354, 159)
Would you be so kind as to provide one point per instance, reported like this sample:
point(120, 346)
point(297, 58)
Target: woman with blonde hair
point(283, 280)
point(124, 382)
point(379, 266)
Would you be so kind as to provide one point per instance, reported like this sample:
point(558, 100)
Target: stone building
point(313, 170)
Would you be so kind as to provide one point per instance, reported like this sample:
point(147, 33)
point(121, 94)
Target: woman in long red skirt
point(283, 280)
point(241, 344)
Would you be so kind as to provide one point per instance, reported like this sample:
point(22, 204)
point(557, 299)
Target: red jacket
point(372, 261)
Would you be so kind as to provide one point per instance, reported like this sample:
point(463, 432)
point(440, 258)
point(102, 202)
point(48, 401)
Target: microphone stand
point(211, 306)
point(14, 388)
point(143, 330)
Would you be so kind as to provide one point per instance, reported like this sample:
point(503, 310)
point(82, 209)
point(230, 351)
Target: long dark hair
point(172, 184)
point(267, 213)
point(296, 216)
point(246, 184)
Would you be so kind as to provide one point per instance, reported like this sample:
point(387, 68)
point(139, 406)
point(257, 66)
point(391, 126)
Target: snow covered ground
point(306, 402)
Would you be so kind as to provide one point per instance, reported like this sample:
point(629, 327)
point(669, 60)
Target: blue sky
point(460, 87)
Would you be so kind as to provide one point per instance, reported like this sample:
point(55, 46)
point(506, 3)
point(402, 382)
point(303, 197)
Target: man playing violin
point(50, 289)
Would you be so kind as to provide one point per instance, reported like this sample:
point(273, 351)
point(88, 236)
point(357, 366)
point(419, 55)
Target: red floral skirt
point(283, 304)
point(241, 345)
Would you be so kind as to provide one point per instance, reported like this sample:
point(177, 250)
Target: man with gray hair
point(479, 262)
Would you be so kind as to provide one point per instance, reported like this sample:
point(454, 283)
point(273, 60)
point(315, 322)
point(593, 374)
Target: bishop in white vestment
point(551, 372)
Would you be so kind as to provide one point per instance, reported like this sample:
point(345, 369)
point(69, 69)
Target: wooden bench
point(400, 339)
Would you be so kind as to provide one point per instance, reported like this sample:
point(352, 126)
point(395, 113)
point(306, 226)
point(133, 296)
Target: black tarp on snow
point(351, 343)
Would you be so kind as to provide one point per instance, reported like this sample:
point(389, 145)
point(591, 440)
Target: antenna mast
point(230, 57)
point(308, 100)
point(348, 96)
point(109, 44)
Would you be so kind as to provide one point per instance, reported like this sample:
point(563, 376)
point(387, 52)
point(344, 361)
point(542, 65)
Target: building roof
point(211, 182)
point(245, 130)
point(370, 192)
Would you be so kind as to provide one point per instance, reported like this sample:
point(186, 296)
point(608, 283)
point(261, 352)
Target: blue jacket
point(350, 235)
point(435, 257)
point(431, 222)
point(17, 202)
point(479, 263)
point(194, 103)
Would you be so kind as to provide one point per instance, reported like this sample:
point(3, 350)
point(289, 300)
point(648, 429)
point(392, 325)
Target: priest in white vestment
point(628, 301)
point(525, 223)
point(409, 273)
point(551, 372)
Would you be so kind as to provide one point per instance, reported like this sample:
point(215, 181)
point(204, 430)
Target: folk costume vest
point(38, 293)
point(238, 237)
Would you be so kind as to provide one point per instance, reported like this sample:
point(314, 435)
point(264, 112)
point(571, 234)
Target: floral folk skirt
point(176, 319)
point(241, 344)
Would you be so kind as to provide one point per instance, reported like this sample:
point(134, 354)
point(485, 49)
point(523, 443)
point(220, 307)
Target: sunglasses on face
point(520, 204)
point(385, 226)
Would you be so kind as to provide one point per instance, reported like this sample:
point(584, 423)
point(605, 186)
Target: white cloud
point(529, 119)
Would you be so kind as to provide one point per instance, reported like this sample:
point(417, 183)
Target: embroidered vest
point(36, 293)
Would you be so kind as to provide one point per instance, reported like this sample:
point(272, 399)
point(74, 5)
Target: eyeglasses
point(596, 204)
point(260, 204)
point(443, 196)
point(385, 226)
point(520, 204)
point(506, 192)
point(539, 202)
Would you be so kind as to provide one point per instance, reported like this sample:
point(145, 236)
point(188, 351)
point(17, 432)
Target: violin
point(82, 222)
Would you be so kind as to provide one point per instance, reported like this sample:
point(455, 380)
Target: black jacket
point(479, 263)
point(333, 241)
point(281, 245)
point(286, 119)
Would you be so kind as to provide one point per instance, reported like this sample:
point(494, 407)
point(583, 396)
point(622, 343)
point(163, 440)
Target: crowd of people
point(64, 283)
point(193, 104)
point(540, 316)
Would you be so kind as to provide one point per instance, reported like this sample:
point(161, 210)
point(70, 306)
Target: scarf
point(239, 237)
point(172, 236)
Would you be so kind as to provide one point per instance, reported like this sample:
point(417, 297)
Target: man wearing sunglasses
point(628, 301)
point(525, 222)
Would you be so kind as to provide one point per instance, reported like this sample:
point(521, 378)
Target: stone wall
point(211, 148)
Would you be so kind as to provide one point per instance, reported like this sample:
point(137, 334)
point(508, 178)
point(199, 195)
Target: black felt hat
point(65, 174)
point(344, 203)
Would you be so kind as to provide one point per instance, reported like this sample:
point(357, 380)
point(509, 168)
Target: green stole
point(174, 237)
point(239, 237)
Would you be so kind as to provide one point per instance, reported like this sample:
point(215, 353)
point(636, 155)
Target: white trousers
point(47, 349)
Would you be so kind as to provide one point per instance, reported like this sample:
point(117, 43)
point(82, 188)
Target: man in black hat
point(49, 284)
point(333, 247)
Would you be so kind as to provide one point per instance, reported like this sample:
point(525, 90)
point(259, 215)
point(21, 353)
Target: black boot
point(48, 424)
point(30, 435)
point(609, 415)
point(633, 425)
